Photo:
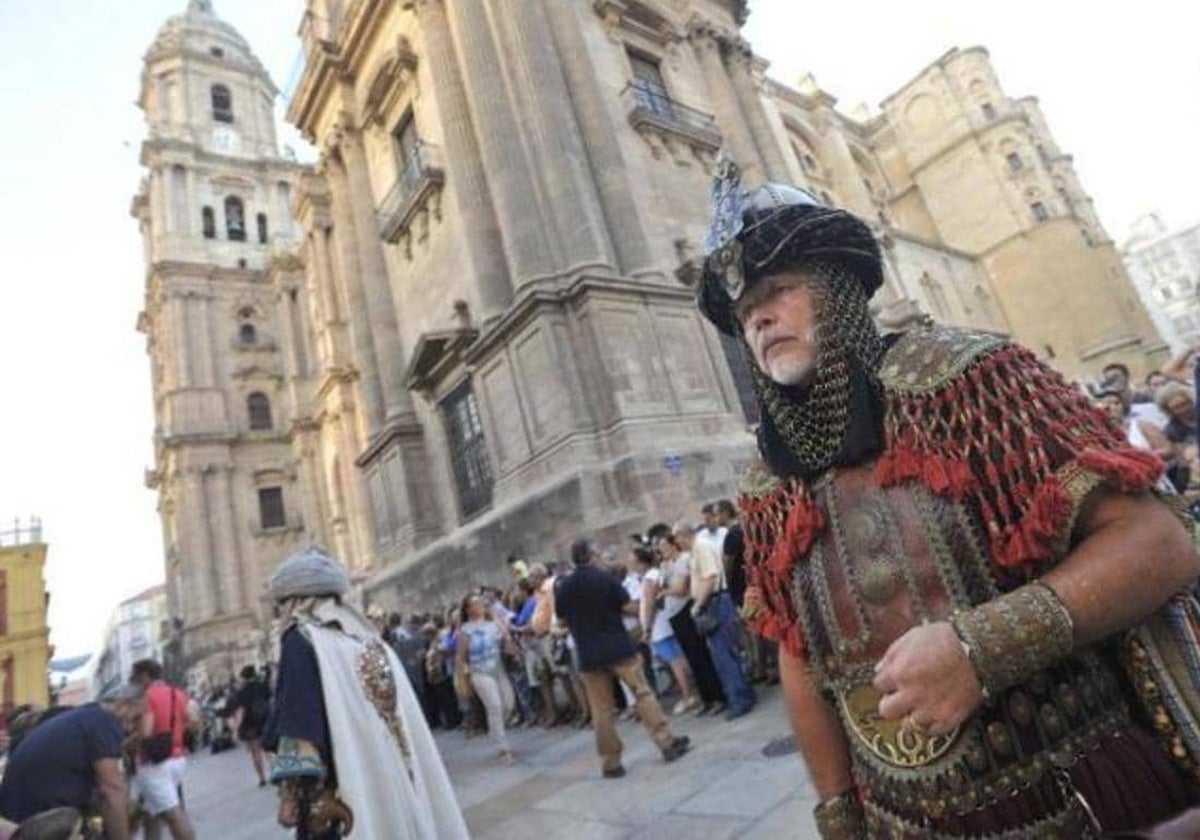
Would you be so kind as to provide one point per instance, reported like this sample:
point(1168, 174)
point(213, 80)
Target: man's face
point(130, 713)
point(1181, 408)
point(1114, 407)
point(710, 520)
point(1156, 381)
point(1116, 380)
point(778, 319)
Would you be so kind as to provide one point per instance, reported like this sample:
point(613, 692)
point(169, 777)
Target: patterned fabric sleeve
point(779, 523)
point(1008, 433)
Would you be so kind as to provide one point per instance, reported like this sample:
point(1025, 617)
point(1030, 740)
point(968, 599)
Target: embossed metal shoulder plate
point(927, 357)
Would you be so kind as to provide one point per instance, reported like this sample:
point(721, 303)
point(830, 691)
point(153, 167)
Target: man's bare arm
point(818, 732)
point(113, 800)
point(1135, 556)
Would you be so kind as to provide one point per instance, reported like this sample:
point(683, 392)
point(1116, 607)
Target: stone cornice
point(531, 302)
point(402, 427)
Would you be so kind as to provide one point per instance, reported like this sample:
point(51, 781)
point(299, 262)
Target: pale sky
point(1119, 84)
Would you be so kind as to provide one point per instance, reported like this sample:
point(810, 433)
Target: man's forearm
point(1135, 557)
point(114, 809)
point(705, 588)
point(817, 729)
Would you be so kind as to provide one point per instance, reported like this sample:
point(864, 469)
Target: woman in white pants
point(480, 641)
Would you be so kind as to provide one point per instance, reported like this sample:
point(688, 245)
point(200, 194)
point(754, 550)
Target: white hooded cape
point(391, 799)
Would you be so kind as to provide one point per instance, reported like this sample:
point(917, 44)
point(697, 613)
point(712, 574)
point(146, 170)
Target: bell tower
point(214, 212)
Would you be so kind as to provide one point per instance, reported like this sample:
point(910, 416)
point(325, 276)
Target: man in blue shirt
point(592, 602)
point(70, 759)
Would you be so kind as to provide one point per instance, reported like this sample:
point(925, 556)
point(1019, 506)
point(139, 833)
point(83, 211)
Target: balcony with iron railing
point(650, 108)
point(420, 178)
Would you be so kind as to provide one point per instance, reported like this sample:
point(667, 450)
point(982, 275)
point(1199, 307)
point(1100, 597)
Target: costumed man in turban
point(944, 537)
point(353, 754)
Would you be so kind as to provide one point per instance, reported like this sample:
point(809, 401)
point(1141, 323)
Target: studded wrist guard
point(840, 818)
point(1013, 636)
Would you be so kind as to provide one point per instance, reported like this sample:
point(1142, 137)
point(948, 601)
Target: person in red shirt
point(159, 784)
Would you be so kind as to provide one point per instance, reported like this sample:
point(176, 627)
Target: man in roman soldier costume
point(353, 754)
point(947, 542)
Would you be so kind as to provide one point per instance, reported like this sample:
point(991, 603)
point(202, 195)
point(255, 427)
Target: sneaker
point(617, 772)
point(717, 708)
point(677, 748)
point(705, 708)
point(685, 706)
point(734, 714)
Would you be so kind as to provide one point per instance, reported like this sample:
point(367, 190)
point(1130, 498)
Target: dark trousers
point(445, 704)
point(708, 684)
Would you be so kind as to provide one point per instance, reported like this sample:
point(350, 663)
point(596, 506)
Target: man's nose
point(760, 318)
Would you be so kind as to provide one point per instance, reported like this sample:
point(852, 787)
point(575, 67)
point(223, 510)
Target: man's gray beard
point(793, 375)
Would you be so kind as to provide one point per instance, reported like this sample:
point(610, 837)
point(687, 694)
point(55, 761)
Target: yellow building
point(24, 632)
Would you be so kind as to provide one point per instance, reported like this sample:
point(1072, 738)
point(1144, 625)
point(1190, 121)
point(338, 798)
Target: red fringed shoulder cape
point(971, 417)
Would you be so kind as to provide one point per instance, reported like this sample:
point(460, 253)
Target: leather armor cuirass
point(888, 560)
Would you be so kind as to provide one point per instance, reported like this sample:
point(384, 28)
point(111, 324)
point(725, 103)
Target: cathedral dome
point(199, 30)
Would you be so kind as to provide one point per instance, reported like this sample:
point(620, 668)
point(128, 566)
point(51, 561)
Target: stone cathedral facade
point(468, 330)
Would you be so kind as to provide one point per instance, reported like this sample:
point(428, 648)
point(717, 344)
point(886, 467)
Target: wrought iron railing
point(422, 168)
point(648, 101)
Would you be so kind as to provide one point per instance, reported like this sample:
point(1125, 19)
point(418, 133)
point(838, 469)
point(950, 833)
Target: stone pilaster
point(706, 41)
point(608, 169)
point(381, 308)
point(198, 555)
point(228, 565)
point(468, 179)
point(740, 60)
point(356, 298)
point(547, 115)
point(523, 221)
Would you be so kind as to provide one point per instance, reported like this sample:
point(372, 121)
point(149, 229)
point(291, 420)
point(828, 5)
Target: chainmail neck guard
point(806, 431)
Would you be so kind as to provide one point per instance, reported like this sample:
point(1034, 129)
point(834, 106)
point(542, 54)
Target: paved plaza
point(724, 788)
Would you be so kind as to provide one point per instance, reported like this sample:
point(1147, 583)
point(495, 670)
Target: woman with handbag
point(678, 602)
point(480, 644)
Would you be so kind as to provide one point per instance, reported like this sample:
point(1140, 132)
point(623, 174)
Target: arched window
point(222, 104)
point(209, 221)
point(247, 334)
point(259, 409)
point(262, 228)
point(235, 219)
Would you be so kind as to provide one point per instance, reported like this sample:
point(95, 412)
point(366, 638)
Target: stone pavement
point(723, 788)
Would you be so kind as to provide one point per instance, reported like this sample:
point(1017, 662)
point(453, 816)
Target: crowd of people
point(1158, 416)
point(500, 658)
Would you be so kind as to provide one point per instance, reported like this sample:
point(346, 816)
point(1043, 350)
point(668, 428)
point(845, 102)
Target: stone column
point(522, 220)
point(467, 177)
point(200, 549)
point(740, 60)
point(229, 567)
point(847, 177)
point(381, 309)
point(738, 142)
point(608, 168)
point(356, 297)
point(183, 348)
point(291, 358)
point(545, 110)
point(361, 519)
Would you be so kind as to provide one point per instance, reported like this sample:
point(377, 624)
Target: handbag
point(159, 746)
point(707, 618)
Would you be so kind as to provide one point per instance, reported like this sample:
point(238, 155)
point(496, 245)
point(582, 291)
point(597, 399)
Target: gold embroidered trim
point(379, 684)
point(840, 818)
point(1013, 636)
point(889, 740)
